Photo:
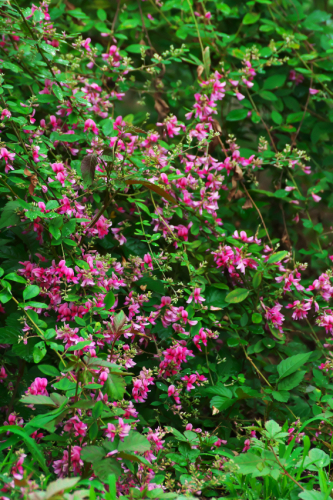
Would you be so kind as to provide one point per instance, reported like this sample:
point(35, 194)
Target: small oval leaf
point(237, 295)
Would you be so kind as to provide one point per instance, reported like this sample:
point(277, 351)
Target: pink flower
point(59, 169)
point(240, 96)
point(90, 124)
point(85, 44)
point(172, 126)
point(110, 432)
point(3, 374)
point(8, 157)
point(326, 320)
point(200, 337)
point(196, 297)
point(273, 314)
point(315, 197)
point(5, 114)
point(113, 57)
point(148, 260)
point(247, 444)
point(38, 387)
point(123, 429)
point(75, 425)
point(141, 384)
point(61, 466)
point(313, 91)
point(300, 308)
point(190, 381)
point(172, 391)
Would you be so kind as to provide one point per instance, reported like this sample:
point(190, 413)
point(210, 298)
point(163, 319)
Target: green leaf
point(316, 458)
point(8, 215)
point(9, 335)
point(215, 296)
point(49, 370)
point(277, 257)
point(58, 92)
point(143, 207)
point(291, 381)
point(39, 352)
point(221, 403)
point(268, 96)
point(92, 453)
point(105, 467)
point(292, 364)
point(29, 442)
point(98, 409)
point(37, 400)
point(60, 486)
point(295, 117)
point(206, 60)
point(15, 277)
point(109, 300)
point(257, 279)
point(69, 137)
point(248, 463)
point(251, 18)
point(115, 387)
point(281, 396)
point(313, 495)
point(79, 345)
point(136, 48)
point(64, 384)
point(272, 82)
point(30, 292)
point(276, 117)
point(256, 318)
point(11, 66)
point(101, 14)
point(236, 115)
point(152, 284)
point(134, 442)
point(237, 295)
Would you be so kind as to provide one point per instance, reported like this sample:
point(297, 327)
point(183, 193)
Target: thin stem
point(198, 32)
point(286, 473)
point(210, 375)
point(259, 213)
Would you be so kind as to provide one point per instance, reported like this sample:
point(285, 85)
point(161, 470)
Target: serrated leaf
point(281, 396)
point(292, 381)
point(92, 453)
point(9, 335)
point(105, 467)
point(115, 387)
point(134, 442)
point(292, 363)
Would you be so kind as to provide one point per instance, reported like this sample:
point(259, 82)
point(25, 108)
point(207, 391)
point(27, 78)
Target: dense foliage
point(165, 239)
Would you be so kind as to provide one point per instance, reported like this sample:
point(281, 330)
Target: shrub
point(165, 250)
